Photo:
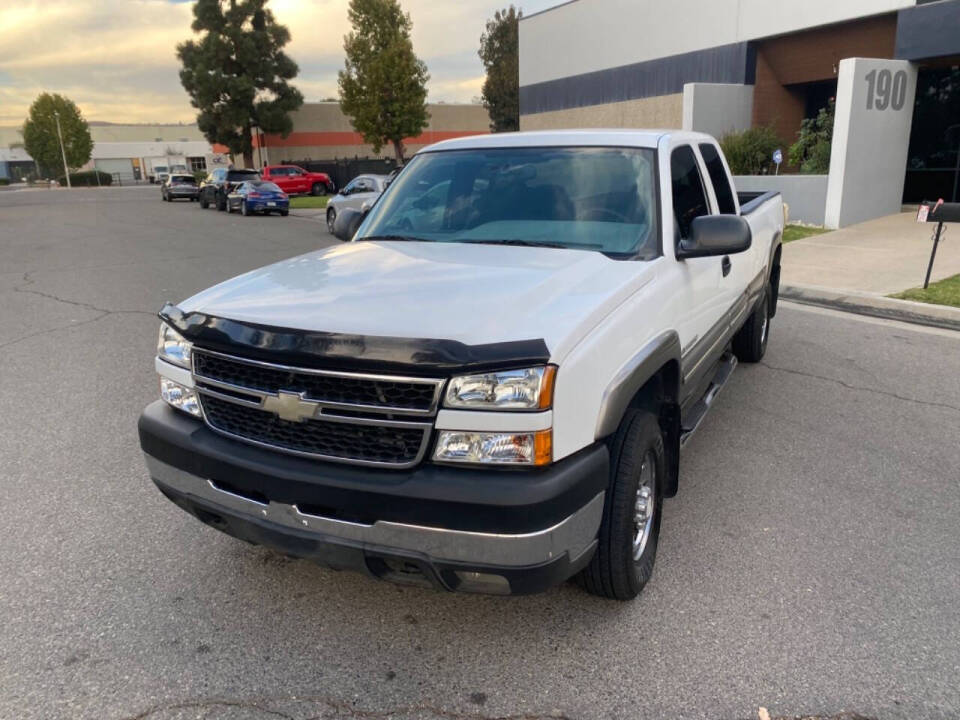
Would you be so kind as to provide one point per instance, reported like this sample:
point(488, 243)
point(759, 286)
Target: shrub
point(199, 176)
point(750, 152)
point(811, 151)
point(87, 178)
point(4, 181)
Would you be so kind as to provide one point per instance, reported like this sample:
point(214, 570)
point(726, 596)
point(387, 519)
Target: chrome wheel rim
point(644, 507)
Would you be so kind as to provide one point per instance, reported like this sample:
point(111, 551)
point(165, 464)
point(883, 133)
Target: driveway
point(809, 565)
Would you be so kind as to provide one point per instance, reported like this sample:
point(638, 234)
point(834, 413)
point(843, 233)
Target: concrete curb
point(313, 213)
point(940, 316)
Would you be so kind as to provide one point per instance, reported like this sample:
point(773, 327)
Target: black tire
point(318, 188)
point(284, 213)
point(750, 342)
point(331, 218)
point(613, 572)
point(243, 208)
point(204, 203)
point(221, 202)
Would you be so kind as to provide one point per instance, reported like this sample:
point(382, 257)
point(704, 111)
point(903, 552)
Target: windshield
point(593, 198)
point(183, 180)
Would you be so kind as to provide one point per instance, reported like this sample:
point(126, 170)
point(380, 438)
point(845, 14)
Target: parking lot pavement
point(809, 565)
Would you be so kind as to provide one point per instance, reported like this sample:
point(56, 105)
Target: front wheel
point(204, 203)
point(750, 342)
point(331, 219)
point(630, 529)
point(318, 188)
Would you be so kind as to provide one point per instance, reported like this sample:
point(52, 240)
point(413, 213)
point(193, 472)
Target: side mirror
point(347, 222)
point(715, 235)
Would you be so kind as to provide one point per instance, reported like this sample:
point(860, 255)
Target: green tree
point(500, 54)
point(811, 151)
point(40, 134)
point(383, 86)
point(237, 74)
point(750, 152)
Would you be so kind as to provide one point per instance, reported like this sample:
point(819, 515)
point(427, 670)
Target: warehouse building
point(322, 132)
point(727, 65)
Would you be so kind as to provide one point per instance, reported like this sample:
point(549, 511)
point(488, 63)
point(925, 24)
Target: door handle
point(725, 265)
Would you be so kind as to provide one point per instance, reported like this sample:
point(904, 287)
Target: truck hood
point(471, 293)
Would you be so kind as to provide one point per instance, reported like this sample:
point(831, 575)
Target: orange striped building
point(322, 132)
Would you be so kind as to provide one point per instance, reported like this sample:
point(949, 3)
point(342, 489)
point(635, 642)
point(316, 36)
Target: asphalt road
point(810, 564)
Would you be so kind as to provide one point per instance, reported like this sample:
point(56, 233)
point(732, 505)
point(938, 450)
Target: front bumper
point(452, 528)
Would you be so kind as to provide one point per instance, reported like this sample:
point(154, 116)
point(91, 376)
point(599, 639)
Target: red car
point(294, 180)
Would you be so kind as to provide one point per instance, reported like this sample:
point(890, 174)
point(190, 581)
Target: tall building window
point(197, 163)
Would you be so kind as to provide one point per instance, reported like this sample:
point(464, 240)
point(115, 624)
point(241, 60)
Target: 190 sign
point(886, 89)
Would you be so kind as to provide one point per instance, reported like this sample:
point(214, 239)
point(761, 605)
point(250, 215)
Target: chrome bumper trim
point(573, 535)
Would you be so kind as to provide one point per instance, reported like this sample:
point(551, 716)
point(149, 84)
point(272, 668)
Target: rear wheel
point(630, 529)
point(318, 189)
point(750, 342)
point(331, 219)
point(284, 213)
point(221, 202)
point(243, 208)
point(204, 203)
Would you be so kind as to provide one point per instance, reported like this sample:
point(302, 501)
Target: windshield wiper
point(515, 241)
point(400, 238)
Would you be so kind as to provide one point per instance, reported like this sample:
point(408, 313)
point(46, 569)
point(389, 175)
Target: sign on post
point(938, 212)
point(777, 159)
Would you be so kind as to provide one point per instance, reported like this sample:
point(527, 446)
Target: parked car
point(258, 196)
point(294, 180)
point(354, 194)
point(495, 402)
point(182, 186)
point(159, 174)
point(218, 184)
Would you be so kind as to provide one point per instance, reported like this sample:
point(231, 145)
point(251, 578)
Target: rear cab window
point(719, 178)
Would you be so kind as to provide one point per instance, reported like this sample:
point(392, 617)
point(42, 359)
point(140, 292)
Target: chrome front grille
point(359, 418)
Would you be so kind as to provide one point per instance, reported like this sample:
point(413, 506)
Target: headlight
point(180, 397)
point(494, 448)
point(172, 347)
point(527, 389)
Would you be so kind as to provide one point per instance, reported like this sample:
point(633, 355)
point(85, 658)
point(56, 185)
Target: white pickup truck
point(488, 387)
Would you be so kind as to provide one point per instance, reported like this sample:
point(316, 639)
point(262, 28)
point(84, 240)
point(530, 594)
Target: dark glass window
point(718, 176)
point(689, 199)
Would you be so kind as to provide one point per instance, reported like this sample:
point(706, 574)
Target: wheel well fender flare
point(644, 365)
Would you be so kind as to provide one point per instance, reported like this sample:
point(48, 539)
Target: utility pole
point(63, 153)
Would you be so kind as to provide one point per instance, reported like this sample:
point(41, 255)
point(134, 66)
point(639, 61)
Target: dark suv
point(218, 184)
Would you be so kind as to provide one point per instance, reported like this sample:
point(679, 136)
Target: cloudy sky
point(115, 58)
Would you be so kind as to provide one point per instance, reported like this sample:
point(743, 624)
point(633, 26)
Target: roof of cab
point(640, 138)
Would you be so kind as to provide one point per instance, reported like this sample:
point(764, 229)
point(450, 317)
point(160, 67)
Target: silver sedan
point(354, 194)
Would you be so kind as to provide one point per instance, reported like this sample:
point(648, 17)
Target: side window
point(351, 187)
point(689, 198)
point(718, 176)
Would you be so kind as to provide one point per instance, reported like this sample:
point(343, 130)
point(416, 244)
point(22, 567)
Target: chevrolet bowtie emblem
point(290, 406)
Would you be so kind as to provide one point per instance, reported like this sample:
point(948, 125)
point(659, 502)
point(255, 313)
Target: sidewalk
point(856, 267)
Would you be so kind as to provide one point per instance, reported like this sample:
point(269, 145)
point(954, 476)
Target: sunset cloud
point(116, 58)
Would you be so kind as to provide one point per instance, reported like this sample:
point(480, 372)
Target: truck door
point(699, 306)
point(278, 176)
point(739, 269)
point(299, 182)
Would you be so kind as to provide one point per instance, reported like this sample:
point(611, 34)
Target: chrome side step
point(691, 421)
